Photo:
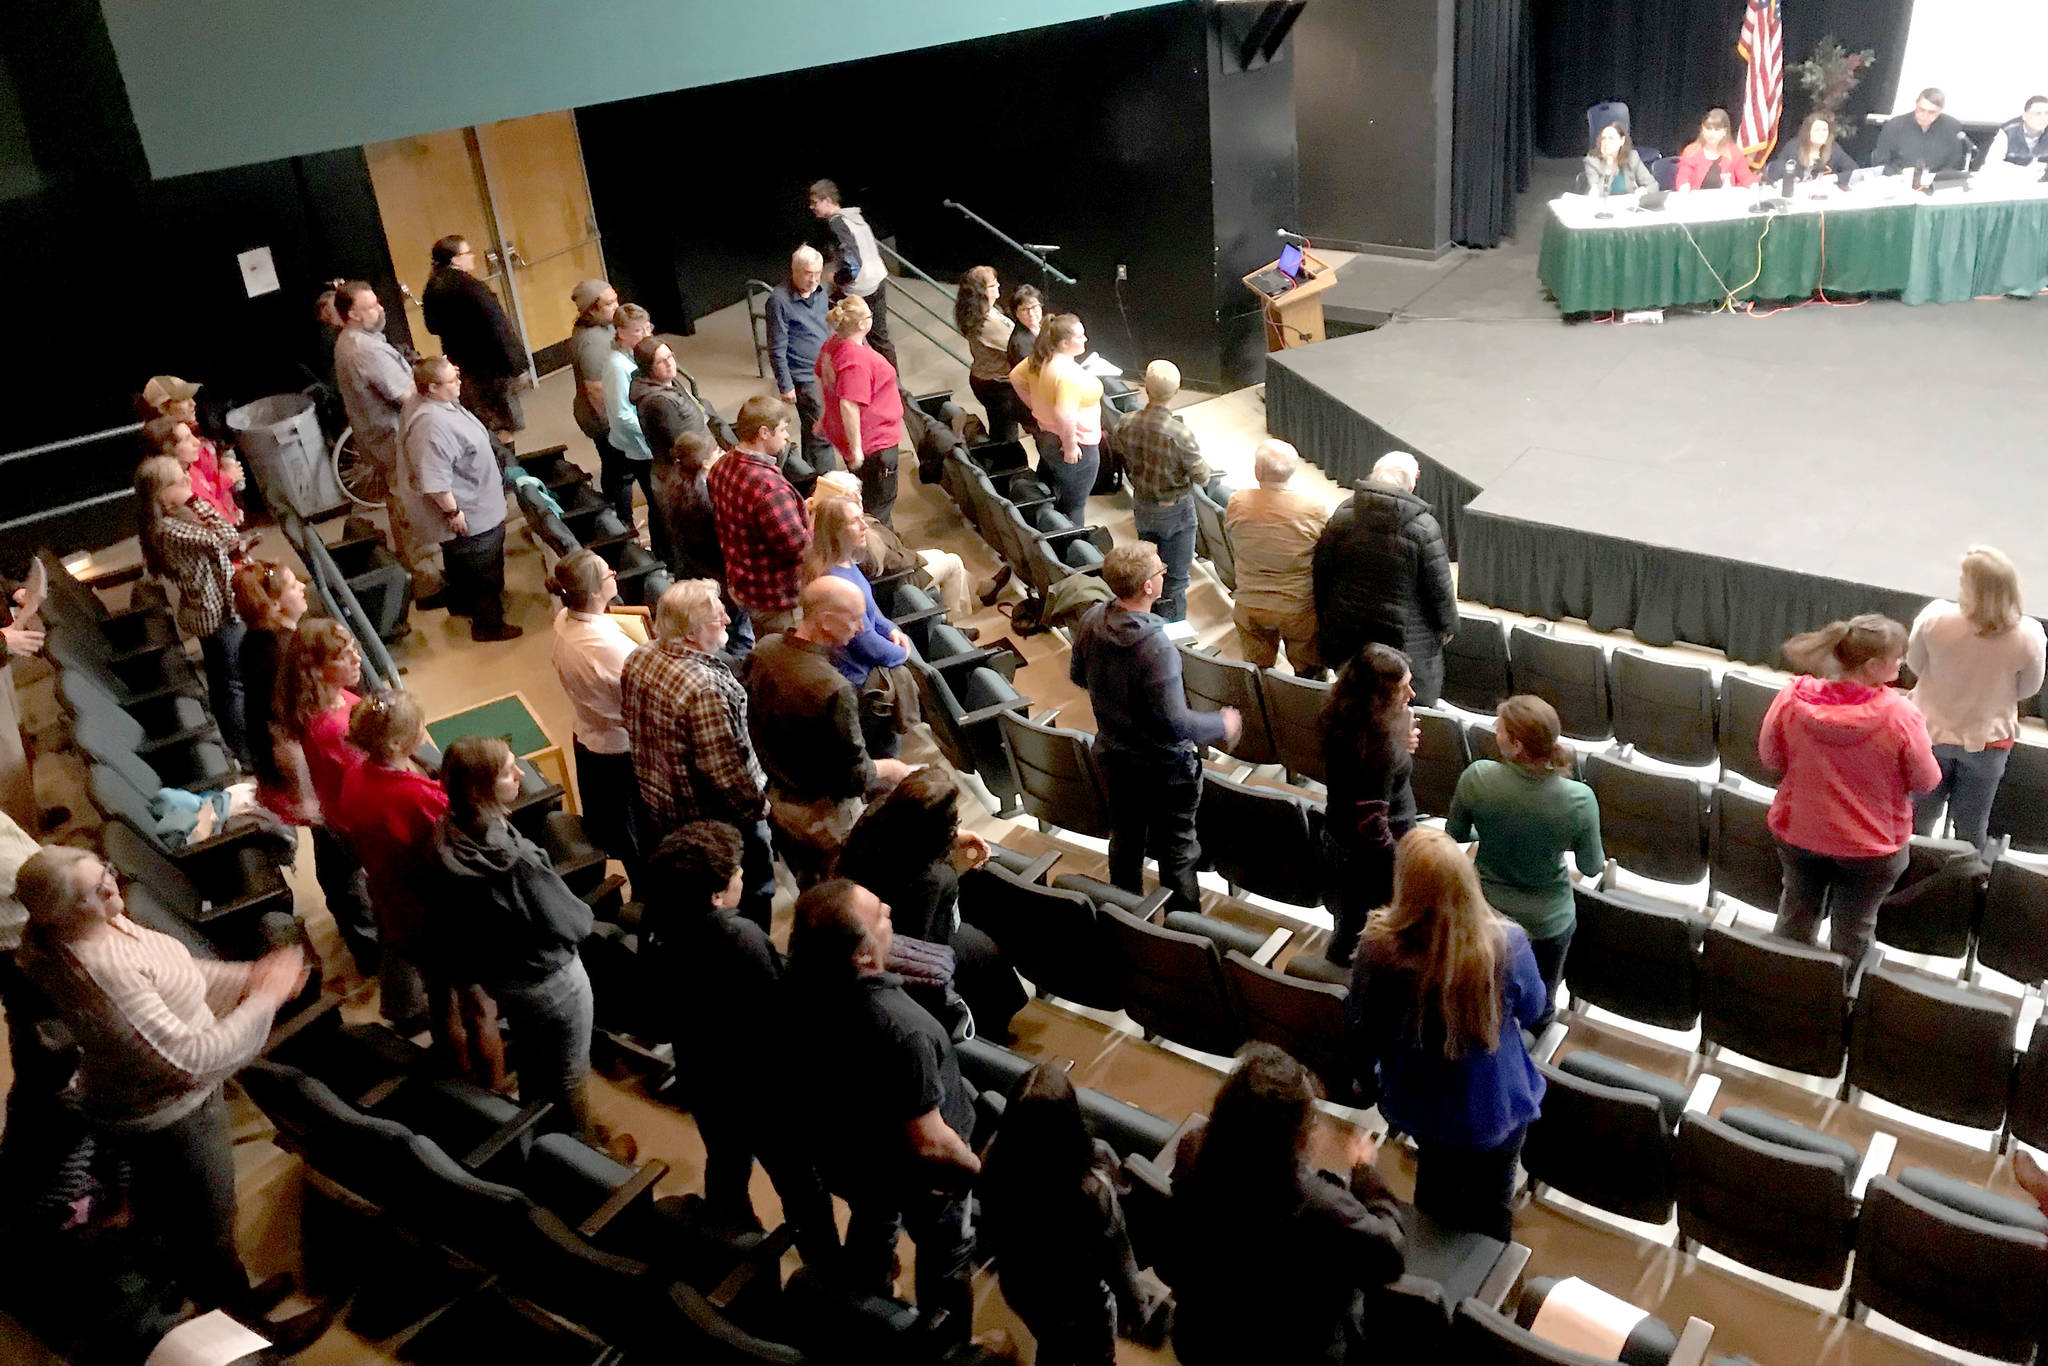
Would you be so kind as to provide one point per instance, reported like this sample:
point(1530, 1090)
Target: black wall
point(1372, 94)
point(1094, 135)
point(1253, 165)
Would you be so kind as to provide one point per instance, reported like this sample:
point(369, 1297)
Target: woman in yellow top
point(1066, 403)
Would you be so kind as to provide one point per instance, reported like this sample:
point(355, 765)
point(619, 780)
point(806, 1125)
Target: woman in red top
point(863, 407)
point(1853, 751)
point(214, 478)
point(387, 810)
point(1712, 159)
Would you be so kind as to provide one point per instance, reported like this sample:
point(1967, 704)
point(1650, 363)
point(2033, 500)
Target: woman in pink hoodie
point(1853, 751)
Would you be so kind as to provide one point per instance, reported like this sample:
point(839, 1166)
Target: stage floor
point(1854, 446)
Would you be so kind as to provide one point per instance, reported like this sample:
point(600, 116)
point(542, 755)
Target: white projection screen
point(1987, 56)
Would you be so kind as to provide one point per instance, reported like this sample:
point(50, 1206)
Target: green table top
point(505, 717)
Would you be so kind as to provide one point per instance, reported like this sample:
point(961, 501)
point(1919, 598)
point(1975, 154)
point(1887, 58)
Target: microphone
point(1042, 248)
point(1294, 238)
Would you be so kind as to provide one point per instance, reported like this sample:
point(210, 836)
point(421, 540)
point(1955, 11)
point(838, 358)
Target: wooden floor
point(447, 671)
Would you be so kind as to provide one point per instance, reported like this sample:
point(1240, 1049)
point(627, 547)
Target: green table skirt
point(1925, 253)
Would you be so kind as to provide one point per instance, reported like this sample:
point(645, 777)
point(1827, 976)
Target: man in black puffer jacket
point(1382, 573)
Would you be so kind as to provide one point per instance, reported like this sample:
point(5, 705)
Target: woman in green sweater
point(1527, 814)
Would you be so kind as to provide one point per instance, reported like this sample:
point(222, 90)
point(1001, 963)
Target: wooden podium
point(1296, 317)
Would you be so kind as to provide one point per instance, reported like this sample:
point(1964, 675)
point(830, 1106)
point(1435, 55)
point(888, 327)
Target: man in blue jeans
point(1165, 467)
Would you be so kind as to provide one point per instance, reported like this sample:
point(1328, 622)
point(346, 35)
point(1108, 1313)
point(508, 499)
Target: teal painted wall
point(218, 83)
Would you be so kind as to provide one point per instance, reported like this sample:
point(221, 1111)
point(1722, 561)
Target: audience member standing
point(763, 527)
point(1147, 737)
point(1051, 1219)
point(1382, 573)
point(589, 655)
point(1527, 815)
point(1273, 533)
point(665, 400)
point(509, 918)
point(1027, 309)
point(1368, 737)
point(797, 329)
point(838, 542)
point(685, 716)
point(1973, 660)
point(1440, 994)
point(177, 400)
point(987, 330)
point(858, 268)
point(448, 457)
point(214, 480)
point(477, 335)
point(190, 545)
point(805, 720)
point(1853, 751)
point(1065, 402)
point(1250, 1210)
point(376, 382)
point(863, 407)
point(590, 347)
point(1165, 465)
point(628, 456)
point(158, 1033)
point(883, 1069)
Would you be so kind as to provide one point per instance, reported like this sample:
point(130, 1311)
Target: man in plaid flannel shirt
point(1165, 467)
point(763, 526)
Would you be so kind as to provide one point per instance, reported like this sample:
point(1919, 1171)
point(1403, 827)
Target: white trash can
point(280, 440)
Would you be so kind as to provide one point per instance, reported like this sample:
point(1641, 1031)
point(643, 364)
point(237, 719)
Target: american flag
point(1762, 45)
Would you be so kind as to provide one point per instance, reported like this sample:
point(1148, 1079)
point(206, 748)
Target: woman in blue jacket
point(839, 536)
point(1441, 990)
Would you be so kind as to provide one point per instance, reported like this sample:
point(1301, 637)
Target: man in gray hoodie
point(857, 265)
point(1148, 740)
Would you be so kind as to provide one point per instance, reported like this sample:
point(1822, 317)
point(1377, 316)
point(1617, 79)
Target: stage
point(1722, 479)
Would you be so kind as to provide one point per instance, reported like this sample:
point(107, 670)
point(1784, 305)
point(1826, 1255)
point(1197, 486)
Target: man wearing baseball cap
point(597, 303)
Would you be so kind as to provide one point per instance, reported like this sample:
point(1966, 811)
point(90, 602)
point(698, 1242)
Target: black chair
point(1653, 824)
point(110, 736)
point(1476, 673)
point(1213, 683)
point(1262, 840)
point(1739, 720)
point(1055, 772)
point(1305, 1018)
point(1769, 1194)
point(1483, 740)
point(964, 723)
point(2014, 936)
point(1952, 1261)
point(1606, 1136)
point(1935, 1047)
point(1571, 675)
point(1150, 905)
point(1742, 854)
point(1438, 761)
point(173, 719)
point(1294, 713)
point(1665, 710)
point(2020, 810)
point(228, 900)
point(382, 586)
point(1636, 956)
point(1214, 538)
point(141, 628)
point(2028, 1120)
point(1938, 901)
point(1781, 1003)
point(1175, 983)
point(130, 680)
point(1049, 934)
point(1483, 1337)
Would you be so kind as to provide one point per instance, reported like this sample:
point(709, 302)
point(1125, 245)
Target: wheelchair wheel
point(362, 481)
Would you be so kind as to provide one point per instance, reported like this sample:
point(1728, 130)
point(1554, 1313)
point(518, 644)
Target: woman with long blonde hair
point(1973, 660)
point(839, 538)
point(1065, 403)
point(1441, 990)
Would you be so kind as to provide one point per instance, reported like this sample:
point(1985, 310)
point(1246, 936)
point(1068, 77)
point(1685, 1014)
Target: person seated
point(839, 537)
point(1923, 138)
point(887, 553)
point(1613, 167)
point(2024, 141)
point(1249, 1209)
point(1712, 160)
point(1814, 155)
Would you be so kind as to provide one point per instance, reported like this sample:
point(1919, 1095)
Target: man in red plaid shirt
point(763, 526)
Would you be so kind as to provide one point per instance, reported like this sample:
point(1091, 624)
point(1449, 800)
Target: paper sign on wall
point(259, 272)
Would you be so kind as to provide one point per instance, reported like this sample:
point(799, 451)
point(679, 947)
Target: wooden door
point(428, 187)
point(534, 170)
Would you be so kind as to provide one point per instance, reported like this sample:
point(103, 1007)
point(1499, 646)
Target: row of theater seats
point(1938, 1255)
point(585, 521)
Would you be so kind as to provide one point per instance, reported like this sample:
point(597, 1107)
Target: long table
point(1877, 238)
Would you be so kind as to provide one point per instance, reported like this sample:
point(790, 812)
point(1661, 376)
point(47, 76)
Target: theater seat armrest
point(2023, 1026)
point(1039, 867)
point(183, 737)
point(381, 1092)
point(1701, 1101)
point(328, 1004)
point(1169, 1152)
point(764, 1255)
point(1692, 1344)
point(508, 1133)
point(994, 709)
point(1270, 950)
point(1608, 875)
point(1876, 1162)
point(622, 1198)
point(1507, 1273)
point(1150, 908)
point(111, 578)
point(1550, 1041)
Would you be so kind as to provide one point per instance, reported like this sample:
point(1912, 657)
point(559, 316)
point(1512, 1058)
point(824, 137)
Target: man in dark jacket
point(1148, 740)
point(475, 333)
point(1382, 573)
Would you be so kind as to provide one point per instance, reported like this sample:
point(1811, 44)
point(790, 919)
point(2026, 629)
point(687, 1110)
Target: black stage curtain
point(1490, 136)
point(1672, 60)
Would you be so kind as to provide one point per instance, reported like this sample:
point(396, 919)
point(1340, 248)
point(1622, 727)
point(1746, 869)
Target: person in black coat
point(1369, 738)
point(1814, 154)
point(475, 333)
point(1382, 573)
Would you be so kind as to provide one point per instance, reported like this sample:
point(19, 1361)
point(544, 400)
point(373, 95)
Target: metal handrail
point(911, 323)
point(1051, 271)
point(340, 600)
point(69, 442)
point(757, 323)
